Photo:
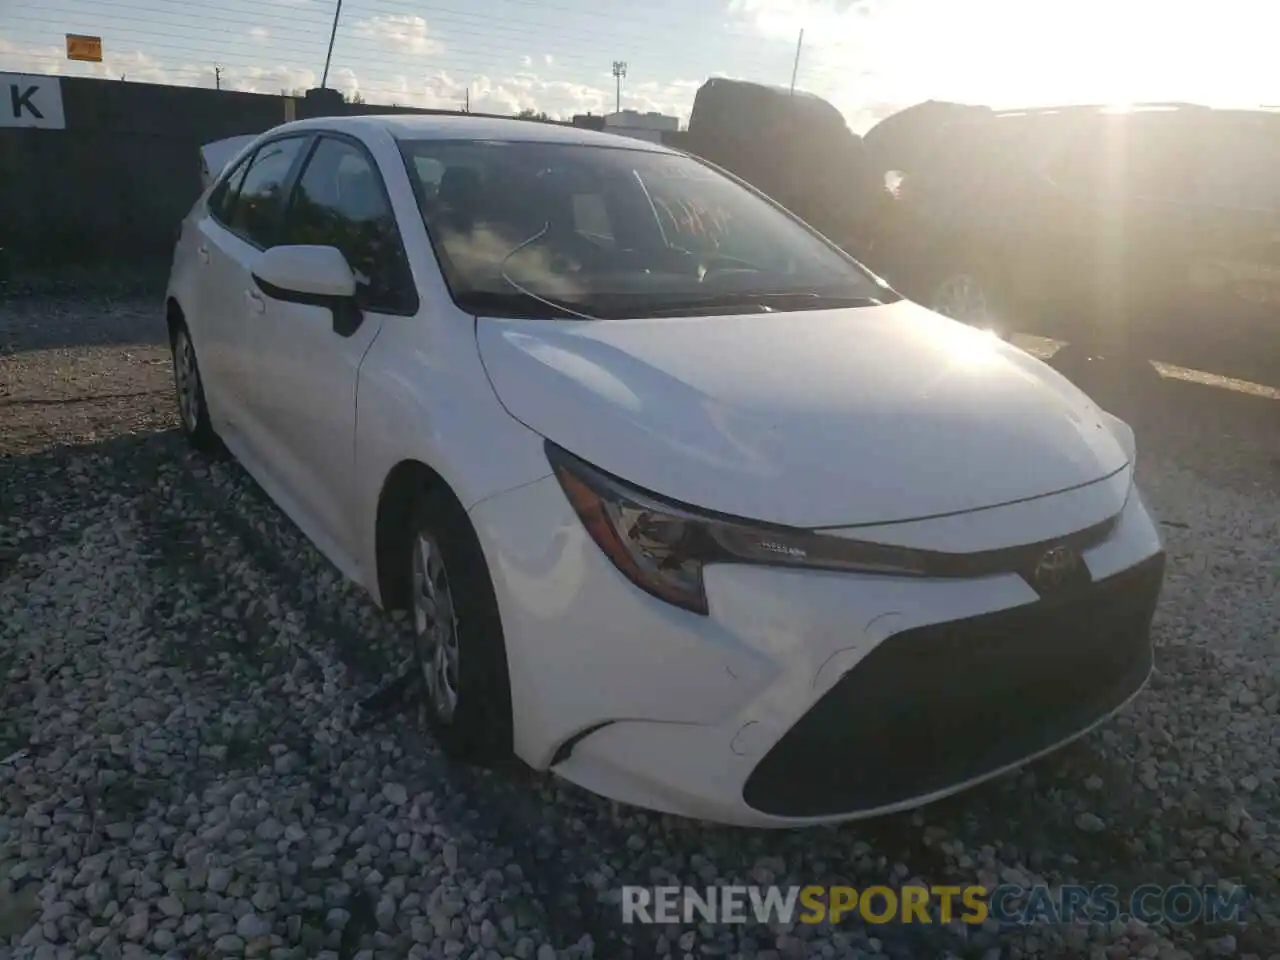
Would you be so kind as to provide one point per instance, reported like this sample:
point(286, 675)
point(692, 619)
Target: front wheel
point(457, 635)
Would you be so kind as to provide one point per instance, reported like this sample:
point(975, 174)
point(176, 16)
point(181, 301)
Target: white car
point(688, 507)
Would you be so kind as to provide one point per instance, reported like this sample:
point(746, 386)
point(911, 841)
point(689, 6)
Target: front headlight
point(662, 546)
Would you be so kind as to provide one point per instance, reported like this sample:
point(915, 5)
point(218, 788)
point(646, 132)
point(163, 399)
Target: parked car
point(793, 146)
point(1151, 232)
point(711, 522)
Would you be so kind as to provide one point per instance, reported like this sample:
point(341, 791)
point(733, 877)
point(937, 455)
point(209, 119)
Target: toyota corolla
point(688, 507)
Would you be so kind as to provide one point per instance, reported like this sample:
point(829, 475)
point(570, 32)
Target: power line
point(235, 37)
point(456, 21)
point(452, 23)
point(369, 69)
point(155, 40)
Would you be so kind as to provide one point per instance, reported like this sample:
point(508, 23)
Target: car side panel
point(423, 394)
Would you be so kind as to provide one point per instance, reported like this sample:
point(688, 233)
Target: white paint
point(823, 417)
point(322, 271)
point(31, 100)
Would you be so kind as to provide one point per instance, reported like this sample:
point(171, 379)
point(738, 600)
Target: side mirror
point(312, 275)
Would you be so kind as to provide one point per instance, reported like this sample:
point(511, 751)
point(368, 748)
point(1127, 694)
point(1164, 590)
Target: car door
point(305, 397)
point(1234, 278)
point(235, 233)
point(1070, 260)
point(1113, 230)
point(212, 317)
point(1161, 225)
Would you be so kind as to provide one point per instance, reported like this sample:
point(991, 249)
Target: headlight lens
point(662, 547)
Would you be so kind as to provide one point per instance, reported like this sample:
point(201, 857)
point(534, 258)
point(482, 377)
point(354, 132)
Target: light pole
point(332, 36)
point(619, 71)
point(796, 67)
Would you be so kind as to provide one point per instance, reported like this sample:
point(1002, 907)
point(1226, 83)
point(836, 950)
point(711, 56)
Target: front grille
point(943, 704)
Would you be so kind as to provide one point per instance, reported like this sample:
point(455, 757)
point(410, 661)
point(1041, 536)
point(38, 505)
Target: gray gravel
point(181, 674)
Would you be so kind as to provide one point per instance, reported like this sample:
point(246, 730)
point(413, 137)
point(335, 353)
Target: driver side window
point(224, 194)
point(340, 201)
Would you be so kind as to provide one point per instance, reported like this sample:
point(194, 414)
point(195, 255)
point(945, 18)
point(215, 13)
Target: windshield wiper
point(516, 303)
point(754, 302)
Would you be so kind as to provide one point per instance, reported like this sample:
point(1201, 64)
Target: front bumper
point(805, 696)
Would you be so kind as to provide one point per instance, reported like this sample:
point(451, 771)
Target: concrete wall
point(112, 187)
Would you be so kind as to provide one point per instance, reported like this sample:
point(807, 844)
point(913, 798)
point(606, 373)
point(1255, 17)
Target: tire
point(462, 658)
point(193, 411)
point(949, 286)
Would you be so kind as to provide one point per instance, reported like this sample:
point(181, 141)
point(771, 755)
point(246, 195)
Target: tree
point(528, 113)
point(356, 97)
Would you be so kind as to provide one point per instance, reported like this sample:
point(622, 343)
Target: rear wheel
point(968, 294)
point(193, 411)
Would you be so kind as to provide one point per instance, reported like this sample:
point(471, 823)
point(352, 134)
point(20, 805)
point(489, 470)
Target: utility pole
point(217, 77)
point(467, 106)
point(796, 67)
point(332, 36)
point(619, 71)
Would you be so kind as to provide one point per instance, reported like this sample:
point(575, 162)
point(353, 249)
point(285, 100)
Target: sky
point(869, 57)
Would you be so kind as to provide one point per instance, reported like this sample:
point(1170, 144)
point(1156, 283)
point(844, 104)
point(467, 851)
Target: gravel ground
point(190, 772)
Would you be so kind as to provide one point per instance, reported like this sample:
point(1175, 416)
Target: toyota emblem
point(1056, 567)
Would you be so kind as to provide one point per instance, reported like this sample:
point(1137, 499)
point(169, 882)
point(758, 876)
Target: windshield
point(551, 229)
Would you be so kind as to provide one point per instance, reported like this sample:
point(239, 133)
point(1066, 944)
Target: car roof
point(471, 127)
point(1172, 108)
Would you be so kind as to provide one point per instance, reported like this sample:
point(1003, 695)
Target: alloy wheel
point(962, 297)
point(187, 380)
point(435, 627)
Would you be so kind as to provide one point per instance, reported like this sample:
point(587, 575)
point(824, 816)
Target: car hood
point(812, 418)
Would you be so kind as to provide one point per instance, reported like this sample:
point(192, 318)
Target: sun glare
point(1010, 53)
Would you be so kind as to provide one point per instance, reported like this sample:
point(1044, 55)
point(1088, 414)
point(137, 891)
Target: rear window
point(1143, 155)
point(969, 153)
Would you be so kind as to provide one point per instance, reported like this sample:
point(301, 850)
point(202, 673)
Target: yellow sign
point(84, 48)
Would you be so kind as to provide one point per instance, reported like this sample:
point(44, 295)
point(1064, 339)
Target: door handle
point(256, 303)
point(203, 252)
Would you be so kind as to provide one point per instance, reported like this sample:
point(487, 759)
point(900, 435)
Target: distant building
point(642, 126)
point(588, 121)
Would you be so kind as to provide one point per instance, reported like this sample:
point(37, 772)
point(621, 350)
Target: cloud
point(525, 90)
point(50, 59)
point(402, 33)
point(140, 67)
point(526, 61)
point(823, 21)
point(548, 59)
point(259, 34)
